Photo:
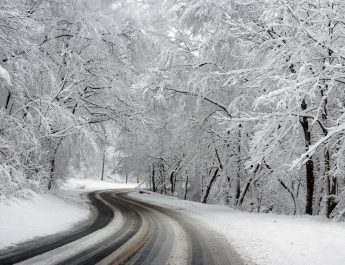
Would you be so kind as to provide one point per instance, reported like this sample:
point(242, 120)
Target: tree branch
point(213, 102)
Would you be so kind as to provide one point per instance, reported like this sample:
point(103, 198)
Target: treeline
point(245, 106)
point(219, 101)
point(64, 70)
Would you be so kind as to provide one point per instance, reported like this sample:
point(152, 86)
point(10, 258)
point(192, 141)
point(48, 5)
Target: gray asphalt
point(148, 235)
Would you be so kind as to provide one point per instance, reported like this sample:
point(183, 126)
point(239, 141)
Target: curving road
point(127, 231)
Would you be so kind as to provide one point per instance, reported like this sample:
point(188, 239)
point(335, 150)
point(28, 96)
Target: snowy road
point(140, 233)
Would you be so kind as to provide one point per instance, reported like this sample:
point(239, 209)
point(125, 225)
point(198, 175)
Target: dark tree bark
point(309, 165)
point(186, 188)
point(237, 186)
point(331, 187)
point(153, 182)
point(172, 186)
point(173, 178)
point(244, 191)
point(53, 163)
point(209, 185)
point(246, 187)
point(103, 161)
point(163, 189)
point(7, 104)
point(330, 181)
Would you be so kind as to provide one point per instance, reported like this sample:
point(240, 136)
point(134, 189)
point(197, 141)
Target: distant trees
point(252, 99)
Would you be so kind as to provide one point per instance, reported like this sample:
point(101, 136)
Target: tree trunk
point(52, 164)
point(174, 182)
point(209, 185)
point(173, 178)
point(153, 178)
point(246, 187)
point(163, 189)
point(309, 165)
point(237, 181)
point(333, 193)
point(330, 181)
point(330, 188)
point(103, 161)
point(186, 188)
point(244, 191)
point(237, 188)
point(172, 186)
point(327, 188)
point(8, 100)
point(310, 187)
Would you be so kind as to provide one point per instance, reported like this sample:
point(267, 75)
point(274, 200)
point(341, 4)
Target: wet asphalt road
point(124, 230)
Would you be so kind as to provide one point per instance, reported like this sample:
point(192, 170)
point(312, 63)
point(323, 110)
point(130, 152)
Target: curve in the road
point(148, 235)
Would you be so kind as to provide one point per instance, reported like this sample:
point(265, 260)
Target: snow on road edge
point(41, 215)
point(47, 214)
point(266, 239)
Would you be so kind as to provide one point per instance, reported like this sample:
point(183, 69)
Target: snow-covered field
point(25, 219)
point(267, 238)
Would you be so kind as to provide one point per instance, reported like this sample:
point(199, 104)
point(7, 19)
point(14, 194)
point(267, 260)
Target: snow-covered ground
point(25, 219)
point(264, 239)
point(267, 239)
point(40, 215)
point(83, 185)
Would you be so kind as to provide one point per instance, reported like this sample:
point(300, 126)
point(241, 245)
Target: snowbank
point(42, 215)
point(267, 239)
point(22, 220)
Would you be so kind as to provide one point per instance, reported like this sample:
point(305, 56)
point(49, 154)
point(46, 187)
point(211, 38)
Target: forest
point(231, 102)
